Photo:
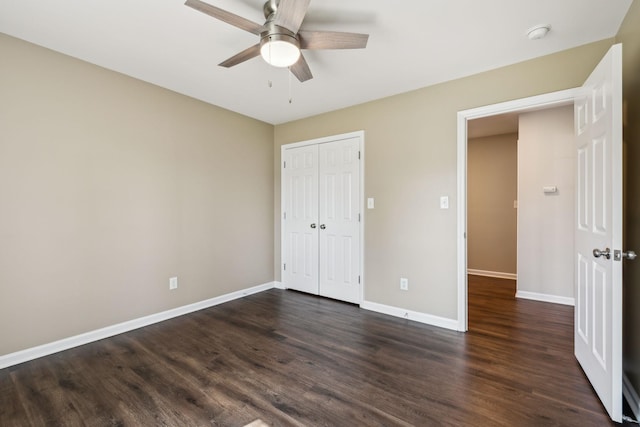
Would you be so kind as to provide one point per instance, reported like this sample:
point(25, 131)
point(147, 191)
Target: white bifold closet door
point(321, 219)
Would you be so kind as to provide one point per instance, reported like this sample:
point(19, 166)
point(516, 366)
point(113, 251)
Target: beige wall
point(109, 186)
point(546, 157)
point(629, 36)
point(492, 187)
point(410, 162)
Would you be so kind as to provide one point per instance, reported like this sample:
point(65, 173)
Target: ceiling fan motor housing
point(273, 32)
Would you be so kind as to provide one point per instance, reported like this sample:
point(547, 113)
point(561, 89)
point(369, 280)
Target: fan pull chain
point(290, 97)
point(270, 82)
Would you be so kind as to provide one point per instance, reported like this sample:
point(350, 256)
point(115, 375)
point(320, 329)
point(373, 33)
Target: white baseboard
point(496, 274)
point(428, 319)
point(546, 298)
point(109, 331)
point(631, 395)
point(278, 285)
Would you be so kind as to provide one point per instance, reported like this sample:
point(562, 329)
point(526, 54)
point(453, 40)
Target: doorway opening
point(520, 204)
point(511, 108)
point(492, 197)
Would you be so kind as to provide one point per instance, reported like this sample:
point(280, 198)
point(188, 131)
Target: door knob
point(618, 255)
point(322, 226)
point(606, 253)
point(313, 225)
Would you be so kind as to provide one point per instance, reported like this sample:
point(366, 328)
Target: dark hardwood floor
point(296, 360)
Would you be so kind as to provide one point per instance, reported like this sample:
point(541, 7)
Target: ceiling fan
point(281, 38)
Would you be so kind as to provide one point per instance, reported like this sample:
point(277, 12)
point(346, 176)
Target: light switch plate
point(444, 202)
point(370, 203)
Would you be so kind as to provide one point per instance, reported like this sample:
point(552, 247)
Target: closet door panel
point(339, 216)
point(300, 249)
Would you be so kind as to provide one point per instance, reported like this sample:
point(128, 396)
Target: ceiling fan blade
point(290, 14)
point(332, 40)
point(301, 70)
point(239, 58)
point(223, 15)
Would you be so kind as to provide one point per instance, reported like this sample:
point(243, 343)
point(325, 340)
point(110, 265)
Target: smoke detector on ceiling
point(538, 32)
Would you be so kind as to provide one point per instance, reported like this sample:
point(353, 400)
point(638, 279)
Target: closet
point(321, 217)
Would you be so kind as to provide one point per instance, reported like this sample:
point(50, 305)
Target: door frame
point(356, 134)
point(538, 102)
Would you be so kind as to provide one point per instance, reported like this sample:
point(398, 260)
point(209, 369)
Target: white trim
point(631, 395)
point(324, 139)
point(496, 274)
point(362, 212)
point(356, 134)
point(546, 298)
point(416, 316)
point(278, 285)
point(548, 100)
point(463, 324)
point(109, 331)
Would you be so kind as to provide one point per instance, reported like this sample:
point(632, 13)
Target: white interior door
point(339, 205)
point(300, 201)
point(321, 201)
point(598, 311)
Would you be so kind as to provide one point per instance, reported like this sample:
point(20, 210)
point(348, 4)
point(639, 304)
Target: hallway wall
point(546, 157)
point(492, 188)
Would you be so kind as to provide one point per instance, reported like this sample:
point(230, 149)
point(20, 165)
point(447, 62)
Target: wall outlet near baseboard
point(173, 283)
point(404, 284)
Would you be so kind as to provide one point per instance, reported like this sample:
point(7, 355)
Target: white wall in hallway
point(545, 221)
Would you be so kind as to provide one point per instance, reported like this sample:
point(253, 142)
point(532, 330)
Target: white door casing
point(322, 224)
point(598, 311)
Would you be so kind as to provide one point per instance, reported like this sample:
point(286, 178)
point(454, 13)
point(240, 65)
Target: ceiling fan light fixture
point(280, 50)
point(281, 38)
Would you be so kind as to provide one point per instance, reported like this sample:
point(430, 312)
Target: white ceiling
point(412, 44)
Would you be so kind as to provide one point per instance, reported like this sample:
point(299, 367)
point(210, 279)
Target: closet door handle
point(322, 226)
point(313, 225)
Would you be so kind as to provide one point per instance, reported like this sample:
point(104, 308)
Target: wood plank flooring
point(291, 359)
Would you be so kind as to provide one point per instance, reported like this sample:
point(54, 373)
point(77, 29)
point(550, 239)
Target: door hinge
point(284, 215)
point(284, 267)
point(358, 155)
point(359, 218)
point(358, 279)
point(284, 165)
